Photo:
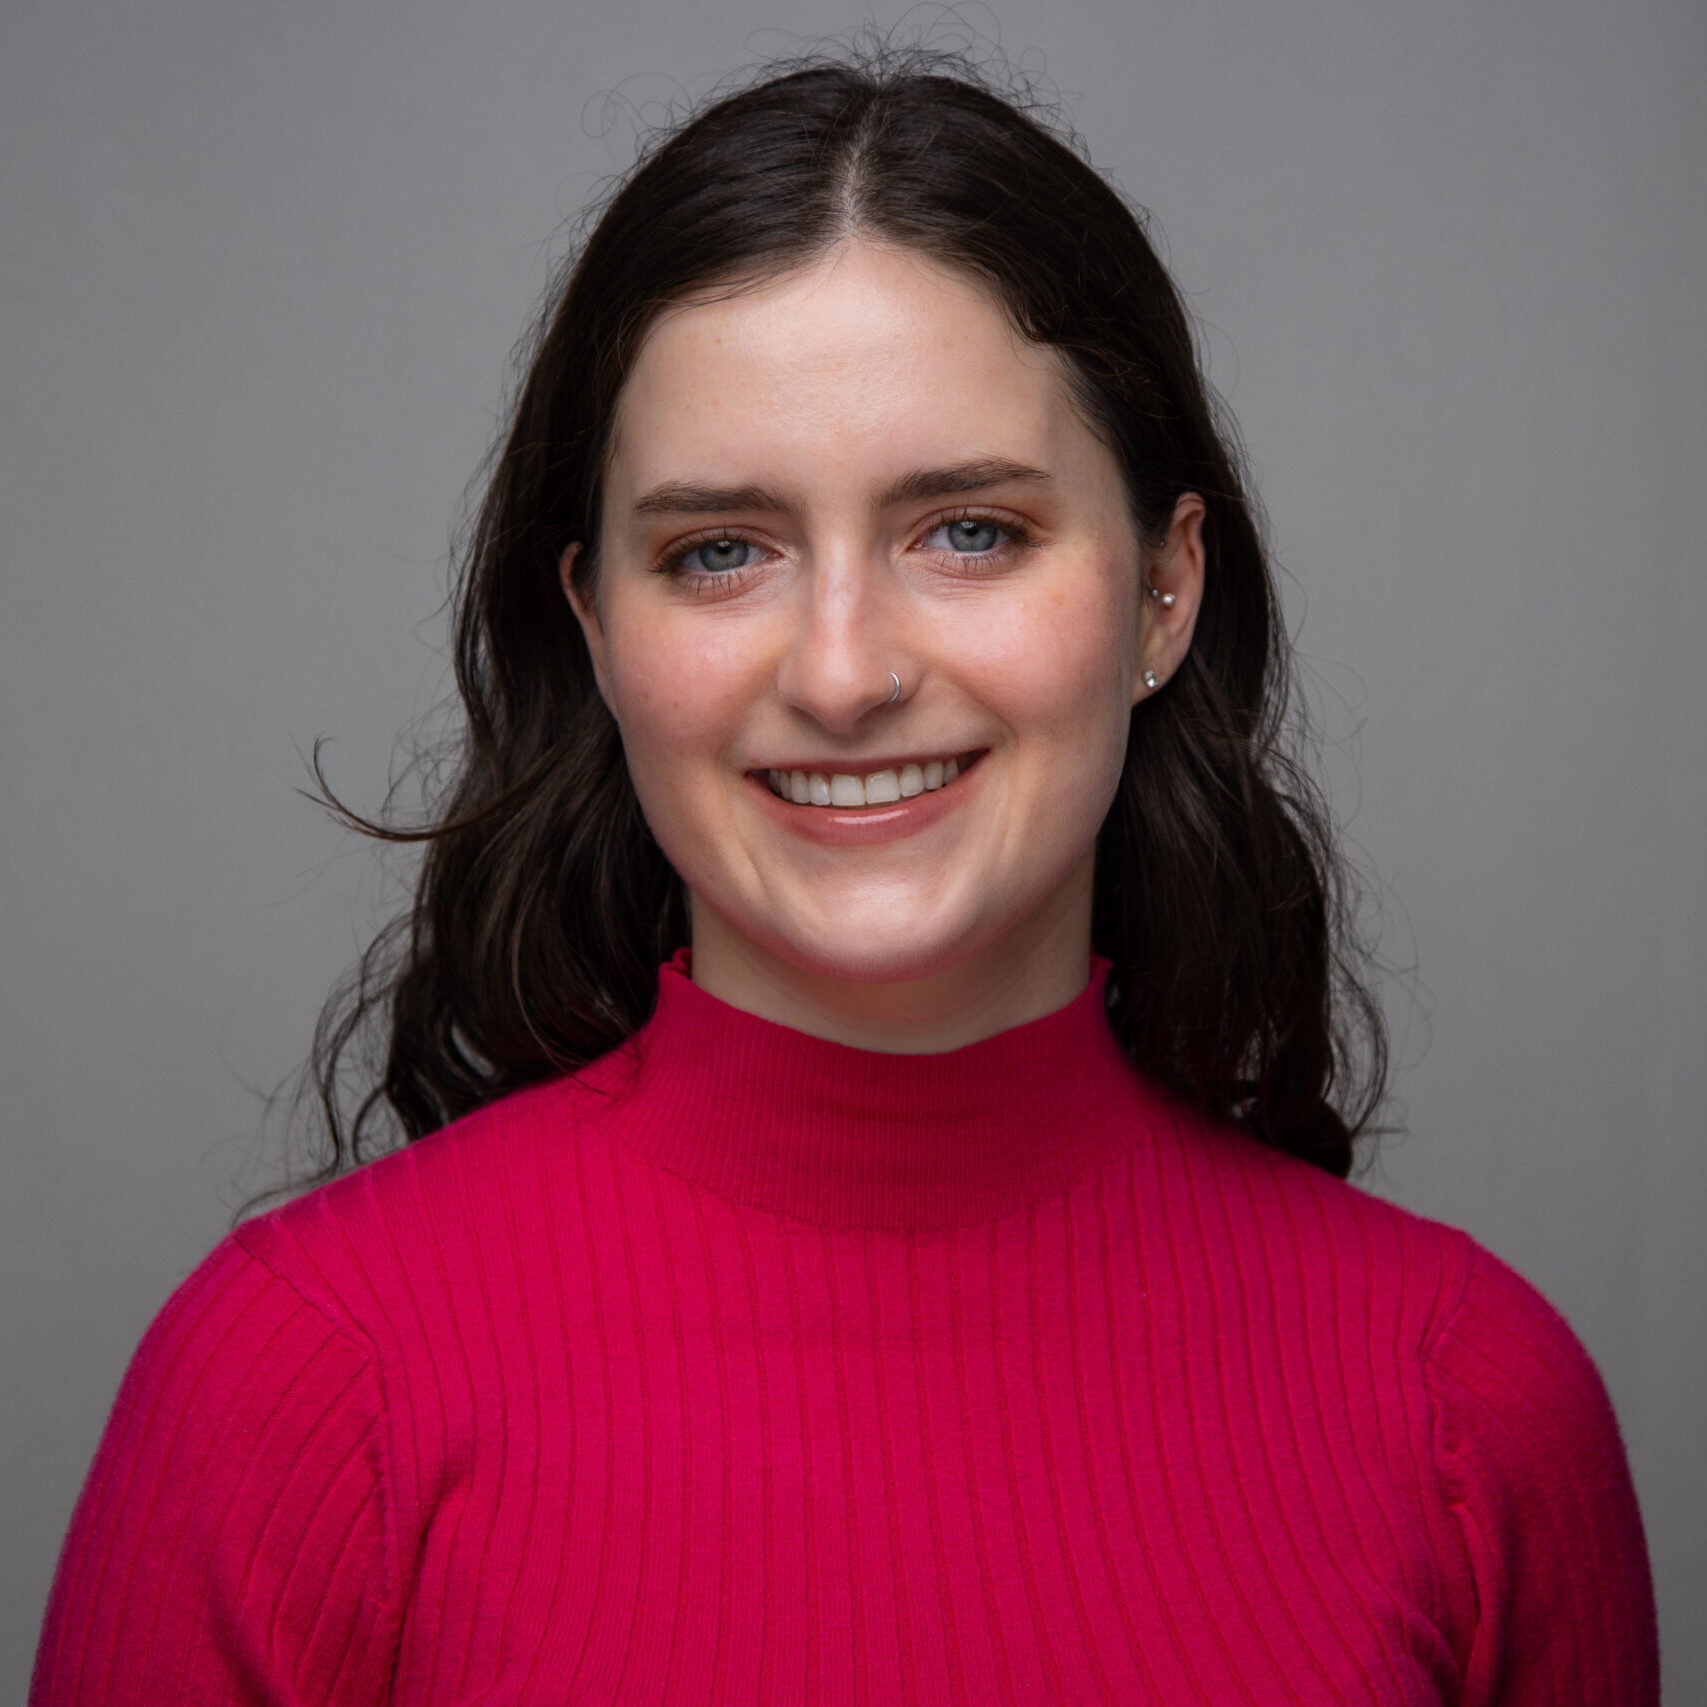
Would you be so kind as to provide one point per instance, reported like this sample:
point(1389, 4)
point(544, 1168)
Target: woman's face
point(856, 475)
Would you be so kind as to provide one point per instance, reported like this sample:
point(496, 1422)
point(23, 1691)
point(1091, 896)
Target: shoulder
point(1524, 1429)
point(412, 1229)
point(1491, 1354)
point(244, 1467)
point(1310, 1242)
point(1483, 1336)
point(231, 1316)
point(1519, 1403)
point(1520, 1466)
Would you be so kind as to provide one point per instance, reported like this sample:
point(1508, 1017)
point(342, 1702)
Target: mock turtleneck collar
point(845, 1137)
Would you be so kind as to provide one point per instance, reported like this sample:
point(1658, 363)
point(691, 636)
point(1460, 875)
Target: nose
point(846, 650)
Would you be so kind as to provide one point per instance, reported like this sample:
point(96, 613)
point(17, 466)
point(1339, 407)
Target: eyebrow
point(689, 498)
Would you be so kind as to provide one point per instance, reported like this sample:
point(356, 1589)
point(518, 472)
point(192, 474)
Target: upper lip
point(868, 766)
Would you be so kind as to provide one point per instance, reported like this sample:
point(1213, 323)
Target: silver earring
point(897, 693)
point(1150, 680)
point(1166, 598)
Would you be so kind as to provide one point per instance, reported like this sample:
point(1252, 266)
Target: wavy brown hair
point(543, 906)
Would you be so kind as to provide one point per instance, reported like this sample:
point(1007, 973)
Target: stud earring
point(1150, 680)
point(1166, 598)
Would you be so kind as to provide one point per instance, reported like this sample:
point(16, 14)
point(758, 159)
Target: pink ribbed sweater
point(750, 1368)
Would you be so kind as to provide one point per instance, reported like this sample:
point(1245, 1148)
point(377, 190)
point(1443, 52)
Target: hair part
point(543, 905)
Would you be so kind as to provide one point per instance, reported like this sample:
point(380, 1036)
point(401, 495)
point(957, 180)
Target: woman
point(882, 1074)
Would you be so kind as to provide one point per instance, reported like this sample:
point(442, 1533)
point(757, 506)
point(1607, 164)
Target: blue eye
point(970, 536)
point(718, 556)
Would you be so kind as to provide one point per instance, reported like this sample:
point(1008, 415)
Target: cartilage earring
point(1166, 598)
point(1150, 680)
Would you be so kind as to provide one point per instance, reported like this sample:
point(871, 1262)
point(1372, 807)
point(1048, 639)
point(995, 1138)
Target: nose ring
point(897, 693)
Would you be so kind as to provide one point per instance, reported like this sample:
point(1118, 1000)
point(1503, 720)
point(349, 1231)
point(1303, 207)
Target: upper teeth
point(835, 788)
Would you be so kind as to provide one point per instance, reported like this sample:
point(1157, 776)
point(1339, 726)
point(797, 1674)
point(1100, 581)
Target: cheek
point(1061, 661)
point(678, 688)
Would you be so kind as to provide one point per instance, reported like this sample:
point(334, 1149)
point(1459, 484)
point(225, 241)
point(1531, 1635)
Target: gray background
point(262, 269)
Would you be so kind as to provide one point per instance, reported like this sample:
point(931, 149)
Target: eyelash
point(1016, 538)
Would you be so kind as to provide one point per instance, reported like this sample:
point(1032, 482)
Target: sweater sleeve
point(1560, 1601)
point(233, 1542)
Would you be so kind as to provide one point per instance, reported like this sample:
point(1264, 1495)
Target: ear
point(1170, 597)
point(587, 614)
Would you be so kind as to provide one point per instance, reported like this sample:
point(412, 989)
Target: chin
point(886, 952)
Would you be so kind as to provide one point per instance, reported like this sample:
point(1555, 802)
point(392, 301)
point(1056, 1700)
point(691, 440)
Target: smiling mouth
point(843, 791)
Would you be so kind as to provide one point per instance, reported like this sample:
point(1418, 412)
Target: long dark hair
point(543, 906)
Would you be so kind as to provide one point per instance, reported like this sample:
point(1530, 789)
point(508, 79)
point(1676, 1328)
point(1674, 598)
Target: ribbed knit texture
point(749, 1368)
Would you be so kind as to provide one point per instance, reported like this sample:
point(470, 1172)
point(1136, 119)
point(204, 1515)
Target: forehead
point(870, 358)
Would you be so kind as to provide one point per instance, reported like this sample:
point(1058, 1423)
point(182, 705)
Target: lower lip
point(864, 826)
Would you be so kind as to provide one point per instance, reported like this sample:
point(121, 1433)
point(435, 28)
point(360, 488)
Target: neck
point(770, 1117)
point(1027, 973)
